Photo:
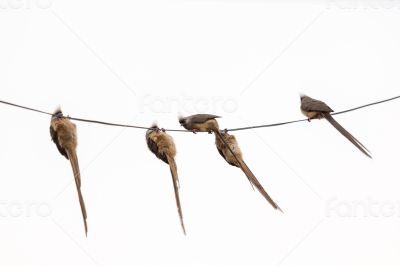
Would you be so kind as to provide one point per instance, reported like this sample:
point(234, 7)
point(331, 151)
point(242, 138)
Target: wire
point(180, 130)
point(302, 120)
point(23, 107)
point(105, 123)
point(367, 105)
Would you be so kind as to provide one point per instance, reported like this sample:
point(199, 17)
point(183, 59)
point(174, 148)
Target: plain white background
point(143, 61)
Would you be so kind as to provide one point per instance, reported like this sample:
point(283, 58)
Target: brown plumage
point(236, 159)
point(205, 123)
point(202, 123)
point(63, 134)
point(162, 145)
point(315, 109)
point(208, 123)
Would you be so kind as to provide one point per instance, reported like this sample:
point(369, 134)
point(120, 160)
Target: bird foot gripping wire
point(223, 131)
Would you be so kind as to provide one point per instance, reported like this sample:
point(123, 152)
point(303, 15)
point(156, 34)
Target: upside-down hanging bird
point(162, 145)
point(208, 123)
point(63, 134)
point(204, 123)
point(237, 160)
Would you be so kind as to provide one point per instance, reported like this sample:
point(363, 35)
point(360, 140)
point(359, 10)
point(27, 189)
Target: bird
point(163, 147)
point(208, 123)
point(63, 134)
point(204, 123)
point(200, 123)
point(236, 159)
point(315, 109)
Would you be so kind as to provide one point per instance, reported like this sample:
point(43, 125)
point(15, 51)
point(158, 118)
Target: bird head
point(302, 95)
point(154, 126)
point(58, 113)
point(182, 120)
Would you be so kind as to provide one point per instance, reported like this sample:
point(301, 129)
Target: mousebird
point(63, 134)
point(162, 145)
point(208, 123)
point(315, 109)
point(237, 160)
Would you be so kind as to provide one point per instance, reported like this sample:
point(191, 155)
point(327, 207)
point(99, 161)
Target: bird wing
point(54, 137)
point(309, 104)
point(201, 118)
point(236, 161)
point(153, 147)
point(220, 147)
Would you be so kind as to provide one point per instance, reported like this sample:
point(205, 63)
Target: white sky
point(143, 61)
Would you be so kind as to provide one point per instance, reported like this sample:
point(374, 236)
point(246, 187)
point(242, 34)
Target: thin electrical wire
point(302, 120)
point(180, 130)
point(23, 107)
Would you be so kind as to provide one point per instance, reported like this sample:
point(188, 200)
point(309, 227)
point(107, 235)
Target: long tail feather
point(347, 135)
point(250, 176)
point(218, 134)
point(77, 176)
point(258, 185)
point(175, 181)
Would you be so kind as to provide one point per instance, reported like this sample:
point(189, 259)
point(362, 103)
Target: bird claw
point(194, 131)
point(160, 129)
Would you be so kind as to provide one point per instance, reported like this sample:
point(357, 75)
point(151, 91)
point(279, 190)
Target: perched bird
point(200, 123)
point(236, 159)
point(162, 145)
point(63, 134)
point(204, 123)
point(315, 109)
point(207, 123)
